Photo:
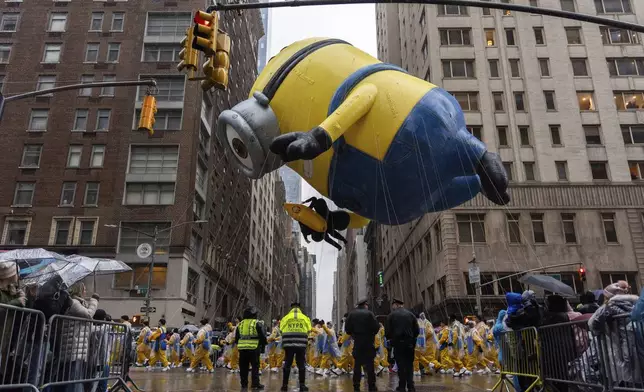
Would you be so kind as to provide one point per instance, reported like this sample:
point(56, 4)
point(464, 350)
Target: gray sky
point(355, 24)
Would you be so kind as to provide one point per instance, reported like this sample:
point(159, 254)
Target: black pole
point(466, 3)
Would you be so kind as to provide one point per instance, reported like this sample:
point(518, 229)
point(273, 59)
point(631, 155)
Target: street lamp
point(154, 237)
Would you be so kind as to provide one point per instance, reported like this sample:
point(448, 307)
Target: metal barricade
point(570, 355)
point(21, 347)
point(86, 352)
point(519, 352)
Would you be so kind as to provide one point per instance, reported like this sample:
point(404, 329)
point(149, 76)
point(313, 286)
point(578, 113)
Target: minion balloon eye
point(248, 130)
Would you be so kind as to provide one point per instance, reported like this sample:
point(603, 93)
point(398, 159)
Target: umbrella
point(189, 328)
point(100, 266)
point(30, 260)
point(64, 271)
point(547, 283)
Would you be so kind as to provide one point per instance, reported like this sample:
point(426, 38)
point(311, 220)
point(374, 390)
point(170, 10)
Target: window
point(57, 22)
point(192, 287)
point(544, 66)
point(438, 236)
point(519, 101)
point(562, 170)
point(490, 37)
point(98, 156)
point(524, 136)
point(423, 50)
point(503, 136)
point(161, 53)
point(164, 119)
point(599, 170)
point(52, 53)
point(91, 194)
point(24, 193)
point(132, 279)
point(568, 5)
point(629, 100)
point(471, 228)
point(458, 68)
point(539, 36)
point(455, 37)
point(451, 10)
point(550, 100)
point(38, 119)
point(528, 167)
point(16, 232)
point(579, 67)
point(485, 11)
point(46, 82)
point(170, 89)
point(506, 12)
point(593, 135)
point(91, 53)
point(109, 91)
point(113, 51)
point(468, 101)
point(613, 6)
point(118, 19)
point(86, 232)
point(149, 194)
point(129, 239)
point(5, 53)
point(68, 194)
point(9, 22)
point(568, 222)
point(610, 232)
point(515, 68)
point(103, 119)
point(80, 120)
point(167, 24)
point(31, 155)
point(499, 103)
point(637, 171)
point(153, 159)
point(626, 66)
point(74, 156)
point(586, 100)
point(96, 22)
point(538, 230)
point(488, 289)
point(509, 37)
point(494, 68)
point(514, 229)
point(573, 35)
point(629, 277)
point(62, 231)
point(475, 131)
point(86, 92)
point(508, 166)
point(614, 36)
point(570, 279)
point(633, 134)
point(423, 22)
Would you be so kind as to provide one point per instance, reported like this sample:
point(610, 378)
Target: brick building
point(74, 161)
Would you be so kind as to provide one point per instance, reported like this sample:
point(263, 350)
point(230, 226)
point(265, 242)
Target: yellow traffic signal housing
point(205, 32)
point(148, 110)
point(189, 56)
point(217, 67)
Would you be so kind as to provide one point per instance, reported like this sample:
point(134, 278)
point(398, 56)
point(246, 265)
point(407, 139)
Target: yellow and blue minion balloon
point(378, 142)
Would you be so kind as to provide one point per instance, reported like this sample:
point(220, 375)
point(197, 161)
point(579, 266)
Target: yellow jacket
point(144, 332)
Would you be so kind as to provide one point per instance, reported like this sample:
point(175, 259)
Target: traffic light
point(582, 274)
point(205, 32)
point(148, 110)
point(217, 67)
point(188, 55)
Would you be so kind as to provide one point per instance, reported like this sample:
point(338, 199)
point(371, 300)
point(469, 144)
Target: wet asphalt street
point(222, 380)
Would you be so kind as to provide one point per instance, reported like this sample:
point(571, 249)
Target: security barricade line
point(519, 353)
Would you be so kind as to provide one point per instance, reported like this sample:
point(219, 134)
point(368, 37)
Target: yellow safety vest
point(248, 337)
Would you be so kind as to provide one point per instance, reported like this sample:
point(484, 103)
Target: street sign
point(144, 250)
point(152, 309)
point(475, 274)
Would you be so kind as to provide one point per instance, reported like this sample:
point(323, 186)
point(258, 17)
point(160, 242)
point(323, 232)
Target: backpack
point(54, 303)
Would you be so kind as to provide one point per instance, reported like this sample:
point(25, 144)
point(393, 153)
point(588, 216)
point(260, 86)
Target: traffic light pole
point(530, 270)
point(465, 3)
point(150, 82)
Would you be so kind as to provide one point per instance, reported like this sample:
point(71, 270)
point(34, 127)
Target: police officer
point(295, 327)
point(363, 326)
point(250, 337)
point(402, 330)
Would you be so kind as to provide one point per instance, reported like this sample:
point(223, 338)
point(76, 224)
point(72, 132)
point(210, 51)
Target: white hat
point(8, 269)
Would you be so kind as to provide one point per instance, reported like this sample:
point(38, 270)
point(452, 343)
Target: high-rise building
point(293, 184)
point(75, 163)
point(263, 49)
point(561, 102)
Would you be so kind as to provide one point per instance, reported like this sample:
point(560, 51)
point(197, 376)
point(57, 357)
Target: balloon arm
point(352, 109)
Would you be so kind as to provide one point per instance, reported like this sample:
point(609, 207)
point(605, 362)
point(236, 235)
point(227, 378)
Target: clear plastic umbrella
point(100, 266)
point(30, 260)
point(63, 271)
